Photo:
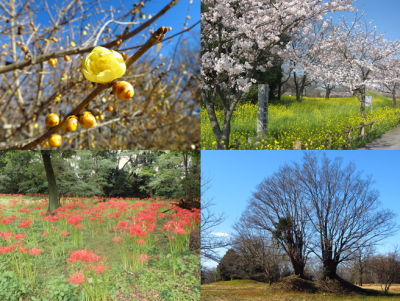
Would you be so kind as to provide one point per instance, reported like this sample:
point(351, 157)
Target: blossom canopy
point(103, 65)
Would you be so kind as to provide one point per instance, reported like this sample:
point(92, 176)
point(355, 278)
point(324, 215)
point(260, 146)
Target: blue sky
point(384, 13)
point(174, 18)
point(235, 175)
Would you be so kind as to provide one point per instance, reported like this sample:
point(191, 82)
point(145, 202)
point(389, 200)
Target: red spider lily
point(179, 230)
point(35, 252)
point(19, 236)
point(161, 215)
point(26, 224)
point(45, 233)
point(77, 278)
point(100, 268)
point(83, 255)
point(19, 244)
point(24, 210)
point(140, 241)
point(136, 230)
point(117, 239)
point(23, 250)
point(6, 249)
point(143, 257)
point(64, 233)
point(6, 235)
point(75, 219)
point(8, 220)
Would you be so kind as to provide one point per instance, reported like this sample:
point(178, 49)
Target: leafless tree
point(208, 275)
point(276, 207)
point(209, 222)
point(386, 268)
point(360, 261)
point(343, 208)
point(259, 252)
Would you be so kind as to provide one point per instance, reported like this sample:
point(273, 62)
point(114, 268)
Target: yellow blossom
point(103, 65)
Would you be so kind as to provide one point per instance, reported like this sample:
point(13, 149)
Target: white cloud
point(221, 234)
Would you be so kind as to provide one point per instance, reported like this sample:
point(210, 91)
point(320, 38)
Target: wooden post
point(236, 144)
point(297, 145)
point(349, 136)
point(362, 131)
point(329, 140)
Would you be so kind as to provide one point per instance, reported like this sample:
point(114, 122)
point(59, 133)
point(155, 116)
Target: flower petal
point(105, 77)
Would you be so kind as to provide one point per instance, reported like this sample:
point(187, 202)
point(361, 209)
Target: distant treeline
point(140, 174)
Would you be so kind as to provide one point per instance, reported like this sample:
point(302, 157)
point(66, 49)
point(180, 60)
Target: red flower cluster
point(35, 252)
point(26, 224)
point(24, 210)
point(77, 278)
point(99, 269)
point(6, 235)
point(83, 255)
point(6, 249)
point(19, 236)
point(8, 219)
point(143, 257)
point(117, 239)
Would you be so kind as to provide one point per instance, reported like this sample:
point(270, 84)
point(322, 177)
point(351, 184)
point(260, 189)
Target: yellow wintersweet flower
point(103, 65)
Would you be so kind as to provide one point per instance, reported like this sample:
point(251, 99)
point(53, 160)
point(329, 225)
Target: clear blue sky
point(384, 13)
point(174, 18)
point(235, 175)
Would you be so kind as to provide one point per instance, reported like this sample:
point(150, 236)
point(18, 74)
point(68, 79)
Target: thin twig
point(155, 38)
point(46, 57)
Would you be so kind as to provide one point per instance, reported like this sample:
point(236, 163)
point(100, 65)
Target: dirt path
point(389, 141)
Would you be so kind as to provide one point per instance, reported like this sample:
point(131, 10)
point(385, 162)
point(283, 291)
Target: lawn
point(307, 121)
point(253, 290)
point(97, 249)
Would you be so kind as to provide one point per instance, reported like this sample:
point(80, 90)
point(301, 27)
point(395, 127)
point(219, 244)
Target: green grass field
point(170, 270)
point(253, 290)
point(307, 121)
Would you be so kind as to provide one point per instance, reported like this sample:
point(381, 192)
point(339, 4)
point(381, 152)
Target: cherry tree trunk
point(51, 180)
point(328, 92)
point(223, 142)
point(394, 97)
point(362, 104)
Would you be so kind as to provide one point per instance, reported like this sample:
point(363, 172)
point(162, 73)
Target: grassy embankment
point(307, 121)
point(292, 289)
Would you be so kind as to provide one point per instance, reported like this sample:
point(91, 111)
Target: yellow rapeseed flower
point(103, 65)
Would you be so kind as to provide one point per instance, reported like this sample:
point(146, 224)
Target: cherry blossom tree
point(390, 76)
point(237, 40)
point(354, 57)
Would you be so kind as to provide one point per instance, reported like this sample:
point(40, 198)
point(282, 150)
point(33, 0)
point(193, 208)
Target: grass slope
point(307, 121)
point(293, 288)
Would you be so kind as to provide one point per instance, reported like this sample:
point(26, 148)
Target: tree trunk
point(299, 87)
point(329, 268)
point(328, 92)
point(297, 267)
point(223, 143)
point(362, 104)
point(51, 180)
point(280, 88)
point(394, 96)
